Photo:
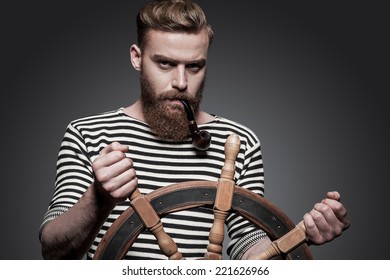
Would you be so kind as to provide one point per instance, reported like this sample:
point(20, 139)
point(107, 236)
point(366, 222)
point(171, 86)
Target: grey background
point(311, 79)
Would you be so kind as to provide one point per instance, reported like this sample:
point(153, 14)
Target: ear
point(135, 57)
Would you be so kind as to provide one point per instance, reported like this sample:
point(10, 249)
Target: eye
point(194, 67)
point(165, 64)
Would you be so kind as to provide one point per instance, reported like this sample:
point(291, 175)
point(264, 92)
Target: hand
point(114, 173)
point(327, 220)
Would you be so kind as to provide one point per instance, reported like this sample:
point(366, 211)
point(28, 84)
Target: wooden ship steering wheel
point(288, 239)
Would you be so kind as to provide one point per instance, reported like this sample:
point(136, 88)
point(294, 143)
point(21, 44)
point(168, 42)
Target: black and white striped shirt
point(159, 163)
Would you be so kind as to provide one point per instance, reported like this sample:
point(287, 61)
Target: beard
point(167, 121)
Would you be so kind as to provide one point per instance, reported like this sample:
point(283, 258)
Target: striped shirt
point(159, 163)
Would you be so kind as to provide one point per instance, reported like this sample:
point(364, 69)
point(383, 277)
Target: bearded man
point(147, 145)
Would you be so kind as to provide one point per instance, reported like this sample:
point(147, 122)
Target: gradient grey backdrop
point(310, 79)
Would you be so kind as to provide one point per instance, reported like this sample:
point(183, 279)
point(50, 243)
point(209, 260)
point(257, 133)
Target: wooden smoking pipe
point(201, 139)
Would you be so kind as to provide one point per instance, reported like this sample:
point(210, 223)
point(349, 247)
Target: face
point(173, 67)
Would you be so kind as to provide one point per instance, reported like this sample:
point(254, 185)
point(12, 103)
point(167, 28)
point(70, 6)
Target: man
point(104, 158)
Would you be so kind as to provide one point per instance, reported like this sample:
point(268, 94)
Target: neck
point(135, 111)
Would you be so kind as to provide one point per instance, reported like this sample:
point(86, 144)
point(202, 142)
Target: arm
point(71, 234)
point(257, 248)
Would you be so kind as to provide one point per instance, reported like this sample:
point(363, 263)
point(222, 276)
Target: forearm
point(257, 248)
point(70, 235)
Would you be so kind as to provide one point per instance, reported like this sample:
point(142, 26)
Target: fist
point(115, 176)
point(327, 220)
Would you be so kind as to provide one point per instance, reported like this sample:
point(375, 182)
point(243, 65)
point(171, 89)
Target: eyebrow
point(158, 58)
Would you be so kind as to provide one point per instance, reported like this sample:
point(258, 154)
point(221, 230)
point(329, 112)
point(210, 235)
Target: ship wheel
point(288, 239)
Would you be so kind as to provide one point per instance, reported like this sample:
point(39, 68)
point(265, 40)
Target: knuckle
point(95, 165)
point(128, 162)
point(102, 176)
point(115, 145)
point(117, 195)
point(321, 207)
point(132, 172)
point(109, 186)
point(316, 215)
point(338, 231)
point(325, 207)
point(317, 239)
point(339, 208)
point(118, 155)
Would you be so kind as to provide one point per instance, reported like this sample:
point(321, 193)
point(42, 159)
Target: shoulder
point(226, 126)
point(98, 117)
point(103, 123)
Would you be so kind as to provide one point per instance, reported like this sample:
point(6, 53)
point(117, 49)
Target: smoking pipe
point(201, 139)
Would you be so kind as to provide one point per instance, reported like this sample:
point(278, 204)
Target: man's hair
point(171, 16)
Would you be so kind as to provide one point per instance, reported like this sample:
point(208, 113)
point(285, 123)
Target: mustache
point(176, 95)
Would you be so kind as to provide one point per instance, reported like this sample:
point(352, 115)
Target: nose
point(179, 80)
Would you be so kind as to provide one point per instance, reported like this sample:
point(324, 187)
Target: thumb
point(114, 146)
point(333, 195)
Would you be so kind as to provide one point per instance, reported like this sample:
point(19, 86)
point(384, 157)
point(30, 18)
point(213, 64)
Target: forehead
point(177, 45)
